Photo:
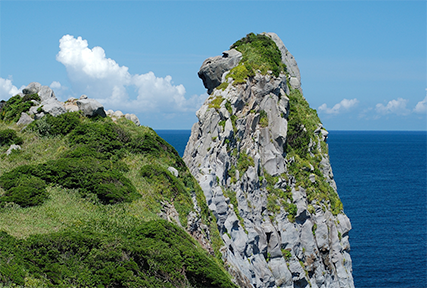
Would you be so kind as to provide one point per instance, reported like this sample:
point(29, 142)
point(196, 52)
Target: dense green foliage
point(152, 254)
point(12, 109)
point(259, 52)
point(89, 175)
point(60, 125)
point(75, 202)
point(302, 122)
point(8, 136)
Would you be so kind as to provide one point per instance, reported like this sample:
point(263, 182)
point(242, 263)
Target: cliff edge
point(259, 153)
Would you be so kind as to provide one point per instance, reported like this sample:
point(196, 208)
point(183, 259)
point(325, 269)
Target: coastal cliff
point(259, 153)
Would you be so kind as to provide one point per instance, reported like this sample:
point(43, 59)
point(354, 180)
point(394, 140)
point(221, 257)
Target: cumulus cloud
point(421, 106)
point(92, 73)
point(343, 106)
point(7, 89)
point(394, 106)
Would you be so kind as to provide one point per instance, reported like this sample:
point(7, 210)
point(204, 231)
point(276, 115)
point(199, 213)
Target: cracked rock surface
point(241, 163)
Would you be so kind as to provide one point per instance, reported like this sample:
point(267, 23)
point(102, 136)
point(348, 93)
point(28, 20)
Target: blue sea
point(381, 179)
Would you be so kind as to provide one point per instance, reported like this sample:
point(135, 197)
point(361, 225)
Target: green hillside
point(79, 206)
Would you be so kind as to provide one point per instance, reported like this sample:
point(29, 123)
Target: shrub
point(292, 210)
point(151, 254)
point(244, 162)
point(59, 125)
point(12, 109)
point(263, 119)
point(259, 52)
point(27, 191)
point(168, 188)
point(89, 175)
point(8, 136)
point(106, 138)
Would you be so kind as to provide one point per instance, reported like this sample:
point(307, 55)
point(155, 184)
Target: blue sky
point(362, 63)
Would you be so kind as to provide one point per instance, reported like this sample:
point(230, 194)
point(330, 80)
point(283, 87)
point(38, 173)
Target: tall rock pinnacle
point(259, 153)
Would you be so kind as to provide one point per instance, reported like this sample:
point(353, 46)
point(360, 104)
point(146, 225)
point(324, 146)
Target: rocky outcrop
point(213, 68)
point(274, 200)
point(49, 104)
point(91, 107)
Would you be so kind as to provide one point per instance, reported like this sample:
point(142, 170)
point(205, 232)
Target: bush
point(8, 137)
point(12, 109)
point(59, 125)
point(89, 175)
point(263, 119)
point(28, 191)
point(259, 52)
point(102, 137)
point(151, 254)
point(244, 162)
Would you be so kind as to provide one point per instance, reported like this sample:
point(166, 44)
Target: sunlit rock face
point(264, 168)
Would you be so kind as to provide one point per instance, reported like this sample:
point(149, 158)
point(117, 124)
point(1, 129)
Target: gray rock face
point(265, 246)
point(91, 107)
point(289, 60)
point(213, 68)
point(53, 107)
point(25, 119)
point(32, 88)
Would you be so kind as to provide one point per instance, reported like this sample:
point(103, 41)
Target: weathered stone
point(256, 239)
point(118, 114)
point(133, 118)
point(25, 119)
point(173, 171)
point(289, 60)
point(213, 68)
point(32, 88)
point(45, 94)
point(91, 107)
point(53, 107)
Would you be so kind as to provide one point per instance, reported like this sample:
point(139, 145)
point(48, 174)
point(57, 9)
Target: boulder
point(133, 118)
point(45, 94)
point(173, 171)
point(32, 88)
point(53, 107)
point(118, 114)
point(213, 68)
point(25, 119)
point(90, 107)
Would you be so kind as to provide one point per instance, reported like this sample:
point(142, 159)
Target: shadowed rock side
point(278, 229)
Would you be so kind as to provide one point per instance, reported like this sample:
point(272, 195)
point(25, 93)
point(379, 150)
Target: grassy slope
point(72, 238)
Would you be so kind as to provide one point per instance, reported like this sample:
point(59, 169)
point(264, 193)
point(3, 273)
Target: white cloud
point(343, 106)
point(393, 107)
point(55, 85)
point(421, 106)
point(7, 89)
point(97, 76)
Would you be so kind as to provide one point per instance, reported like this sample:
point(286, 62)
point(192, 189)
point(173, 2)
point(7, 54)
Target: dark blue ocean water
point(381, 179)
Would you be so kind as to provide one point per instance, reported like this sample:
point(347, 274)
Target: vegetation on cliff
point(79, 204)
point(259, 52)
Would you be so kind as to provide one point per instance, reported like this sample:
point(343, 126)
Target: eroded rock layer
point(259, 153)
